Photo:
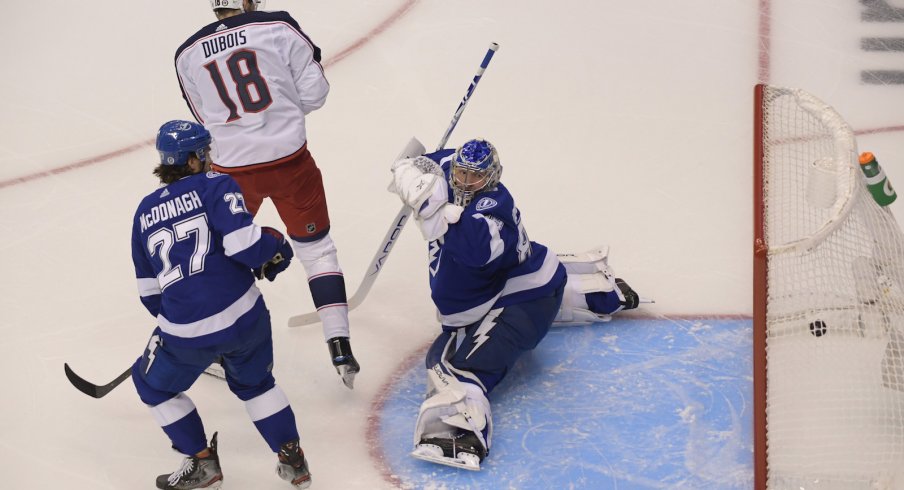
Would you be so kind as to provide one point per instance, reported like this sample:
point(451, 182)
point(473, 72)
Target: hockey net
point(828, 306)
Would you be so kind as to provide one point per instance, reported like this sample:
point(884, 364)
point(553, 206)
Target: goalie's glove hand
point(415, 180)
point(343, 360)
point(279, 262)
point(631, 299)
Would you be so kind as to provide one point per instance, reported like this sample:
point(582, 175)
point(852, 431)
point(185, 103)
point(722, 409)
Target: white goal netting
point(835, 306)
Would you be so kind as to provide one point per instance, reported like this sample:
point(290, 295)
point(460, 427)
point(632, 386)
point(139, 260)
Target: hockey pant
point(164, 372)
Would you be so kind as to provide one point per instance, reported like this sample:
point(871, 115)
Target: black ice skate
point(195, 472)
point(343, 360)
point(632, 300)
point(462, 450)
point(293, 467)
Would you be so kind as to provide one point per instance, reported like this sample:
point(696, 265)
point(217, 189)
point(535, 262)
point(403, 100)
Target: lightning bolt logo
point(481, 335)
point(435, 256)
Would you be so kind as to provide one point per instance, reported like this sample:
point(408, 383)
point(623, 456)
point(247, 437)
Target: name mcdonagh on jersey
point(214, 45)
point(171, 209)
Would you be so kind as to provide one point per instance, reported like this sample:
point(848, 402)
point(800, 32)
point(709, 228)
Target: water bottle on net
point(876, 181)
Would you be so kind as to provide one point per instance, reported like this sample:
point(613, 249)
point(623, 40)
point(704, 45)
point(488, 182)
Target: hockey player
point(496, 292)
point(197, 252)
point(250, 78)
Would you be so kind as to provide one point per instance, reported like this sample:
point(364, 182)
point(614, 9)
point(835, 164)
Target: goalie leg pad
point(588, 274)
point(453, 405)
point(589, 262)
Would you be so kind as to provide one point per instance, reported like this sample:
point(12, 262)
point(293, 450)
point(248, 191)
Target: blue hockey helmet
point(176, 140)
point(475, 168)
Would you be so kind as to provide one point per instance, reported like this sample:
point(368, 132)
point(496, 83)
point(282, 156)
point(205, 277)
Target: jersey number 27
point(162, 241)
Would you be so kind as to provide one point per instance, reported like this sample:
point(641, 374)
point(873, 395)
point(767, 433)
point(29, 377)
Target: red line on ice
point(391, 19)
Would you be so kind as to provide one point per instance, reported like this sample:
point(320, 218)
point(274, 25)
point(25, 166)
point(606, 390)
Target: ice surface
point(627, 123)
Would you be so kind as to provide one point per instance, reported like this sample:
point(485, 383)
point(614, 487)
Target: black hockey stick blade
point(92, 389)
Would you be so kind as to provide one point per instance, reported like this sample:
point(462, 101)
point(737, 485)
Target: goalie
point(496, 292)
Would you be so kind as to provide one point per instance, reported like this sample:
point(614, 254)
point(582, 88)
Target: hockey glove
point(279, 262)
point(415, 180)
point(343, 360)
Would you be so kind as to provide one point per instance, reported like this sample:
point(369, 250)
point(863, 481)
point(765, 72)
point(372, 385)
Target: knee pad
point(317, 257)
point(327, 284)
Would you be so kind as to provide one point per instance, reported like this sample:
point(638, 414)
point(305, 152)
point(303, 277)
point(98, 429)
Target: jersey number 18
point(250, 85)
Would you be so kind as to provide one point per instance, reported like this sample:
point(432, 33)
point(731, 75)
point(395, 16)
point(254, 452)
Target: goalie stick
point(395, 229)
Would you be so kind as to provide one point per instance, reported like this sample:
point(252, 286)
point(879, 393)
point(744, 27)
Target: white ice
point(627, 123)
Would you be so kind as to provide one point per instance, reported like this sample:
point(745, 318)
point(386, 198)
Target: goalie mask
point(176, 140)
point(475, 169)
point(236, 4)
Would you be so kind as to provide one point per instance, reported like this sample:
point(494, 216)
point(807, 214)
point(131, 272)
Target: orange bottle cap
point(866, 158)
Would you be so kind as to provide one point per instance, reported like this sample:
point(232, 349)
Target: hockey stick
point(92, 389)
point(395, 229)
point(99, 391)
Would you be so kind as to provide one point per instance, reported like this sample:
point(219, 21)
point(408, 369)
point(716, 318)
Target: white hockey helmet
point(236, 4)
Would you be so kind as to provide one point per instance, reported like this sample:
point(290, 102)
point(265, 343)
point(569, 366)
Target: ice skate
point(343, 360)
point(195, 472)
point(631, 299)
point(463, 450)
point(293, 467)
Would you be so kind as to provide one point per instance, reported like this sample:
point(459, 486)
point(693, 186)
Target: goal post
point(828, 306)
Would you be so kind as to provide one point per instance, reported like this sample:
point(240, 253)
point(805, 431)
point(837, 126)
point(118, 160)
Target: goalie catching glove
point(280, 261)
point(421, 185)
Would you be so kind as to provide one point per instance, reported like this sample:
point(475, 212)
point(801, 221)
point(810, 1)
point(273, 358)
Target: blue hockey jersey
point(486, 259)
point(193, 247)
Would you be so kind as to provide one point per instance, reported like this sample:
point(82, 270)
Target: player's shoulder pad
point(239, 21)
point(219, 183)
point(283, 16)
point(441, 156)
point(485, 203)
point(269, 15)
point(497, 202)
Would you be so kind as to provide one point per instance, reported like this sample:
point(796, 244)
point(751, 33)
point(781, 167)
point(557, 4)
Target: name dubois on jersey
point(214, 45)
point(170, 209)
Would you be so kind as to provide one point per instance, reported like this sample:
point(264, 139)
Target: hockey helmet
point(475, 168)
point(236, 4)
point(176, 140)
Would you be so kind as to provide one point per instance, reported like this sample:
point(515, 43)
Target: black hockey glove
point(631, 298)
point(279, 262)
point(343, 360)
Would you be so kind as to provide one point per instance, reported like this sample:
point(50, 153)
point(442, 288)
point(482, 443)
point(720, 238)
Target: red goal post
point(828, 306)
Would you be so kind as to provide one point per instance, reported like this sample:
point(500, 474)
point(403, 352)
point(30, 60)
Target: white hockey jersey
point(250, 79)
